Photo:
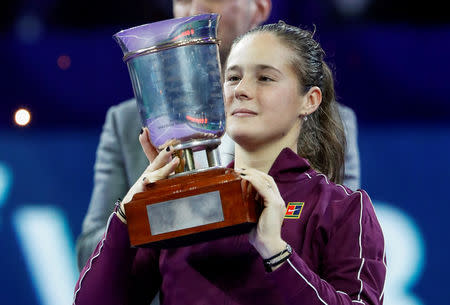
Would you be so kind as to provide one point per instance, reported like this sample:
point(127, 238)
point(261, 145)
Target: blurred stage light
point(5, 186)
point(405, 253)
point(29, 28)
point(5, 182)
point(64, 62)
point(44, 235)
point(22, 117)
point(352, 7)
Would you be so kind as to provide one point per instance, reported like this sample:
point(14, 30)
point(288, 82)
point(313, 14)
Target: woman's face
point(263, 104)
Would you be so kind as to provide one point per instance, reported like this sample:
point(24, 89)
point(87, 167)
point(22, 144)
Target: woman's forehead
point(259, 49)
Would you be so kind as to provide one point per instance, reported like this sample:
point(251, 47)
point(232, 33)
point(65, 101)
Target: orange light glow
point(185, 33)
point(64, 62)
point(197, 120)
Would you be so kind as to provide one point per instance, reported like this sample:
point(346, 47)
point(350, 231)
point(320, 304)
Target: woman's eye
point(232, 78)
point(265, 78)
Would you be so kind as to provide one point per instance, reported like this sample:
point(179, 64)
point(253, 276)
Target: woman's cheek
point(227, 98)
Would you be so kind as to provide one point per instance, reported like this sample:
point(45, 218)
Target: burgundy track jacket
point(338, 255)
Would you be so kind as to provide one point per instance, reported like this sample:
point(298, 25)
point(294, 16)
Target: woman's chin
point(240, 137)
point(246, 140)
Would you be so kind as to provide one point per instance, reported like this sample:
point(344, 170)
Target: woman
point(316, 242)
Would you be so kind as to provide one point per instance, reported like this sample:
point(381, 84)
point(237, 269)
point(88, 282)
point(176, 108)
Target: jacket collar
point(287, 166)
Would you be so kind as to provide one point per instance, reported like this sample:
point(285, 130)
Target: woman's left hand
point(266, 236)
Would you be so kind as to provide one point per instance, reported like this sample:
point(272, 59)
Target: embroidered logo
point(294, 209)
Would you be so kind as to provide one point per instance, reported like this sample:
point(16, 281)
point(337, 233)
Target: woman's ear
point(262, 12)
point(312, 100)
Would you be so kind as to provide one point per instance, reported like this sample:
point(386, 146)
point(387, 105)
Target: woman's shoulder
point(337, 205)
point(330, 193)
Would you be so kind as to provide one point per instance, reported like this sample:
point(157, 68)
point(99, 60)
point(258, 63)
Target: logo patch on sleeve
point(294, 209)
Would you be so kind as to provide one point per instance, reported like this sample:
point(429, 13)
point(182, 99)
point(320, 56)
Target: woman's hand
point(266, 236)
point(161, 165)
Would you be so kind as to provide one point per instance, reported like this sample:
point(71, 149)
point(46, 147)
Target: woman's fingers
point(247, 188)
point(161, 165)
point(157, 159)
point(165, 165)
point(264, 184)
point(163, 158)
point(150, 151)
point(151, 175)
point(266, 236)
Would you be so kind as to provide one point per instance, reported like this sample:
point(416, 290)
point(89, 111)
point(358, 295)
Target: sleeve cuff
point(117, 233)
point(290, 274)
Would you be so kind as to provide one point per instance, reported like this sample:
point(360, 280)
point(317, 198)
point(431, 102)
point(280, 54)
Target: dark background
point(58, 59)
point(390, 58)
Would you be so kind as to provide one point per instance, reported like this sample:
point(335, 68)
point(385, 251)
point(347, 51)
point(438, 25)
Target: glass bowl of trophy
point(175, 71)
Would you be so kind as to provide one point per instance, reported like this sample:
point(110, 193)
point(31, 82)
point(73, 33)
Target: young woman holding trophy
point(316, 242)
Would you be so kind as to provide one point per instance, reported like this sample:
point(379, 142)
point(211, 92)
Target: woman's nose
point(243, 90)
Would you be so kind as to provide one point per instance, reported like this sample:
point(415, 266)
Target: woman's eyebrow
point(257, 67)
point(234, 67)
point(267, 67)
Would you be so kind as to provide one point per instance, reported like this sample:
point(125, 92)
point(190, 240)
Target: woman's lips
point(242, 112)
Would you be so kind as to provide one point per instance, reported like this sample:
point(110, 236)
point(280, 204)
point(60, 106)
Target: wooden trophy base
point(191, 208)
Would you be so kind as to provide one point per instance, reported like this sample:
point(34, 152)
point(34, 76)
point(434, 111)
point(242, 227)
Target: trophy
point(175, 71)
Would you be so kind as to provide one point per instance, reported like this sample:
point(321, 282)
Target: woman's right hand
point(161, 165)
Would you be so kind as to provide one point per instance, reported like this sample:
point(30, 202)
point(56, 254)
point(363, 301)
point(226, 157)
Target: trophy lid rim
point(156, 34)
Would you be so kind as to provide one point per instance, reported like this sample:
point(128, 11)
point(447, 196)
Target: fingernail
point(150, 184)
point(168, 148)
point(142, 130)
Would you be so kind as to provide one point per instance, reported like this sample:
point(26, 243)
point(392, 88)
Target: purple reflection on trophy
point(175, 71)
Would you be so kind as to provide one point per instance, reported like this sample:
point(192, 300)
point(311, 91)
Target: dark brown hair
point(322, 138)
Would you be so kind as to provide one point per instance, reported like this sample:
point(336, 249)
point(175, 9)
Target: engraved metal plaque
point(183, 213)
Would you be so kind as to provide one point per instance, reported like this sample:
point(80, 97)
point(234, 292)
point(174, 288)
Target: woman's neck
point(261, 158)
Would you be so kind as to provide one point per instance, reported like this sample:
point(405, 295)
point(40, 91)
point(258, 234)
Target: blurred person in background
point(120, 159)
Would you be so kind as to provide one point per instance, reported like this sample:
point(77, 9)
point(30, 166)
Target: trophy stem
point(189, 157)
point(212, 154)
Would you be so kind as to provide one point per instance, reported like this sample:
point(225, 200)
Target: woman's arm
point(115, 271)
point(107, 272)
point(353, 259)
point(353, 262)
